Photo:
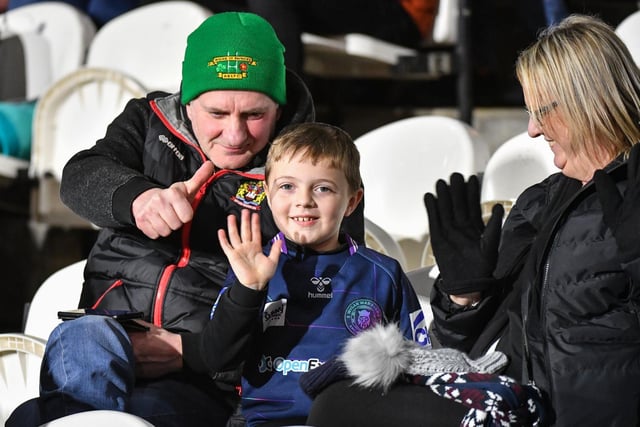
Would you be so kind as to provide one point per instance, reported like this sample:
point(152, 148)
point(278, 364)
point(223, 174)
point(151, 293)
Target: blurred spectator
point(100, 11)
point(216, 6)
point(610, 11)
point(219, 6)
point(554, 10)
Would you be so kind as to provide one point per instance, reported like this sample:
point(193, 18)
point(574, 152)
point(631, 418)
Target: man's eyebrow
point(216, 109)
point(260, 109)
point(252, 110)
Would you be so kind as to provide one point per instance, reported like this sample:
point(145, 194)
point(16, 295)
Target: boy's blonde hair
point(318, 142)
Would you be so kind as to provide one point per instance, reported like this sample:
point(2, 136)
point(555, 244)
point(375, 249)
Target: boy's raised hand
point(243, 248)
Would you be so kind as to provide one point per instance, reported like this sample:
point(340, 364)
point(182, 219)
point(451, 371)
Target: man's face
point(232, 126)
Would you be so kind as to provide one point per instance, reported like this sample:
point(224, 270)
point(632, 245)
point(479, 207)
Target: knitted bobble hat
point(234, 51)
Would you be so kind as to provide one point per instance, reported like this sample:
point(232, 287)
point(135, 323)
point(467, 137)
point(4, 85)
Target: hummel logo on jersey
point(321, 282)
point(323, 288)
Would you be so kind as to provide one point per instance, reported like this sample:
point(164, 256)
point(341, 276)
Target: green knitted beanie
point(234, 51)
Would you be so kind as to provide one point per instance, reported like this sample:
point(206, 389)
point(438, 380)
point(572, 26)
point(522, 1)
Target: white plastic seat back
point(74, 113)
point(60, 291)
point(10, 166)
point(20, 359)
point(21, 354)
point(99, 418)
point(402, 160)
point(67, 30)
point(378, 239)
point(517, 164)
point(38, 74)
point(71, 116)
point(629, 31)
point(148, 42)
point(422, 282)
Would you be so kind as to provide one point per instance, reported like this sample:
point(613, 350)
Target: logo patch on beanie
point(232, 67)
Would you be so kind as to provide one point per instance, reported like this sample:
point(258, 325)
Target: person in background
point(289, 307)
point(403, 22)
point(556, 288)
point(100, 11)
point(215, 6)
point(554, 11)
point(169, 171)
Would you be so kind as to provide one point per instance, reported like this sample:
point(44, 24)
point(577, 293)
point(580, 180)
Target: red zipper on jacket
point(163, 284)
point(114, 285)
point(183, 260)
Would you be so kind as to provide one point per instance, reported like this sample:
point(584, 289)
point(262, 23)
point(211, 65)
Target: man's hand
point(158, 212)
point(157, 352)
point(244, 250)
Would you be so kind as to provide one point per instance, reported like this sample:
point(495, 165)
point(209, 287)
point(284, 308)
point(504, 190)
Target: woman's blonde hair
point(583, 68)
point(318, 142)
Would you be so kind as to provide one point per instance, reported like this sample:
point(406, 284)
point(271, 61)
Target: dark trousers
point(406, 405)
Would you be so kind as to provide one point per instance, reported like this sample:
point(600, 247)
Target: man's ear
point(354, 201)
point(188, 107)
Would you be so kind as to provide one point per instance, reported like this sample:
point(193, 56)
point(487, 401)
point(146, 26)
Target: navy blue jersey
point(314, 303)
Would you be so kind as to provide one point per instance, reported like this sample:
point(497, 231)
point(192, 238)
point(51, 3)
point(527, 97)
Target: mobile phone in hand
point(126, 318)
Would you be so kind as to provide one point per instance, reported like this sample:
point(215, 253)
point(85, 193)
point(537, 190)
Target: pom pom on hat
point(234, 51)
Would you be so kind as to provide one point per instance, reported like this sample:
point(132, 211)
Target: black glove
point(622, 212)
point(465, 250)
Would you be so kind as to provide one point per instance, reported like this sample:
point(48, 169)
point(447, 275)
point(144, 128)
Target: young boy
point(291, 308)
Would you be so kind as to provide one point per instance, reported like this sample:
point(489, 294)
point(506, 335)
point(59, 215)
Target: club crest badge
point(250, 194)
point(362, 314)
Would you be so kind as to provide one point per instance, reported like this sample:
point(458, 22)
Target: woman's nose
point(533, 128)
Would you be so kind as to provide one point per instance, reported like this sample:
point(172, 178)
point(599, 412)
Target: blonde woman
point(557, 289)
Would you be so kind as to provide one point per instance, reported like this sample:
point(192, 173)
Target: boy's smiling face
point(309, 201)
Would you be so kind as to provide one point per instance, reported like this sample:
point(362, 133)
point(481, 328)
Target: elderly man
point(162, 181)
